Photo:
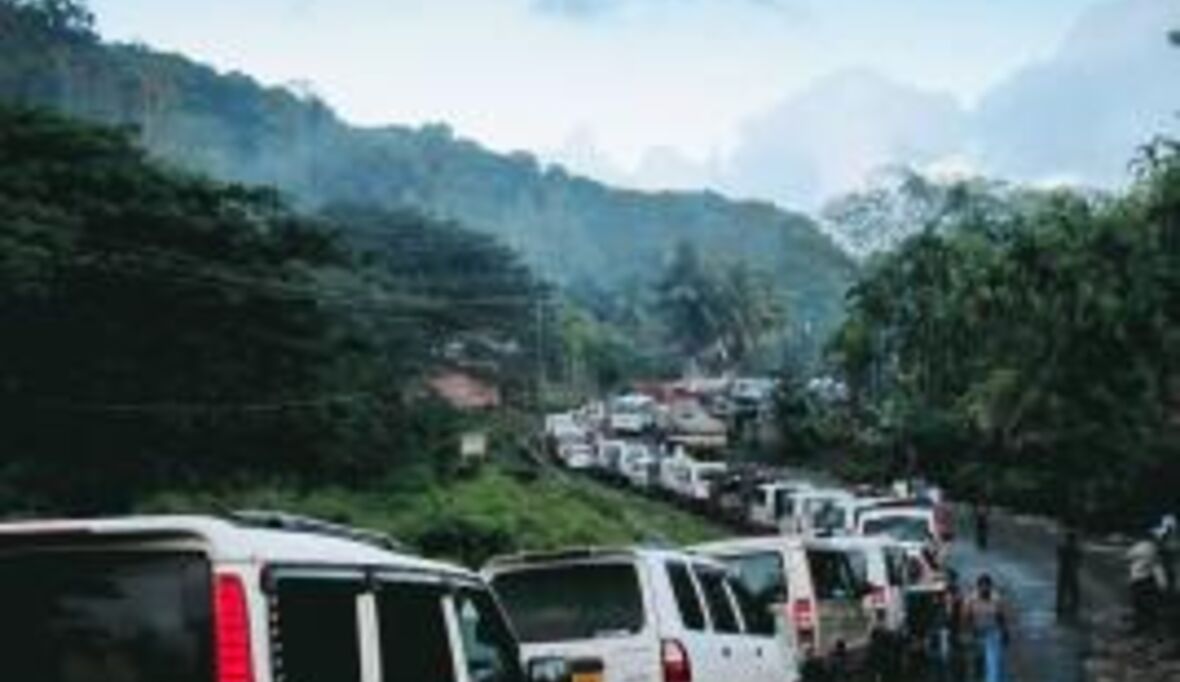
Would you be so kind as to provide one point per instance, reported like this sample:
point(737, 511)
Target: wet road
point(1022, 559)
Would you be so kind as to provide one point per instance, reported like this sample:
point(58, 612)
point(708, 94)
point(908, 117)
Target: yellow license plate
point(587, 677)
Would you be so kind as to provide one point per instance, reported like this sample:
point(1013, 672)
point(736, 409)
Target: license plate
point(587, 677)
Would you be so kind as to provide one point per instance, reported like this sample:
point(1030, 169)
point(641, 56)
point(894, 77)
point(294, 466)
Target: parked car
point(690, 480)
point(772, 506)
point(631, 415)
point(256, 598)
point(645, 615)
point(577, 455)
point(822, 511)
point(882, 565)
point(811, 584)
point(639, 466)
point(689, 424)
point(607, 455)
point(914, 525)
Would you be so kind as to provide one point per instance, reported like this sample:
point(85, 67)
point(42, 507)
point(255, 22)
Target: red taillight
point(675, 661)
point(803, 616)
point(232, 630)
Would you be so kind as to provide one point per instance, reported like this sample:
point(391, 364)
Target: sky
point(794, 101)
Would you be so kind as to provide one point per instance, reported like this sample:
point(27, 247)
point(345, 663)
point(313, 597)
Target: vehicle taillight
point(803, 617)
point(877, 597)
point(232, 630)
point(675, 661)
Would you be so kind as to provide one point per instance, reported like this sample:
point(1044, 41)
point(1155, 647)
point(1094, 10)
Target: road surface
point(1022, 559)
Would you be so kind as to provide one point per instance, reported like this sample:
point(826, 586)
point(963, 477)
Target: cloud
point(590, 9)
point(826, 139)
point(1079, 115)
point(1082, 114)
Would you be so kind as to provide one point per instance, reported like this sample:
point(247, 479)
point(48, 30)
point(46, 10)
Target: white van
point(640, 615)
point(772, 506)
point(882, 565)
point(811, 583)
point(639, 466)
point(264, 598)
point(690, 480)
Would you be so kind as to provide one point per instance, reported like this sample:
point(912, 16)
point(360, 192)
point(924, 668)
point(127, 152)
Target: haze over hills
point(567, 227)
point(1073, 116)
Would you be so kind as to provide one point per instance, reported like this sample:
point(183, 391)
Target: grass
point(472, 518)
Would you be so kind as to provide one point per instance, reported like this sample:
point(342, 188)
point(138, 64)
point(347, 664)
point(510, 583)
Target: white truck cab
point(253, 598)
point(640, 615)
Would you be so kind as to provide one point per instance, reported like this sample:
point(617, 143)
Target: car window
point(580, 601)
point(712, 583)
point(315, 625)
point(757, 615)
point(105, 617)
point(858, 561)
point(692, 614)
point(831, 574)
point(415, 646)
point(492, 655)
point(763, 576)
point(902, 528)
point(895, 566)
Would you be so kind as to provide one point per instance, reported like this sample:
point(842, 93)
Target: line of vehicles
point(269, 597)
point(851, 578)
point(833, 579)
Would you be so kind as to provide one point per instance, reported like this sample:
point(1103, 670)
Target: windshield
point(105, 617)
point(901, 528)
point(584, 601)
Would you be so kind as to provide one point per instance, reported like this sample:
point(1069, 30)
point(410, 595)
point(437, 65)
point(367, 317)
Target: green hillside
point(568, 228)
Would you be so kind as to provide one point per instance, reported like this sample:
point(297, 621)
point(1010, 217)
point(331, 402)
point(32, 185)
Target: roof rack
point(294, 523)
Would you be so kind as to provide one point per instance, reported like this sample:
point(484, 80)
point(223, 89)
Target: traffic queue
point(846, 580)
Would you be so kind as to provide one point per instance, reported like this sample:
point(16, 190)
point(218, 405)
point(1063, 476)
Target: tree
point(716, 315)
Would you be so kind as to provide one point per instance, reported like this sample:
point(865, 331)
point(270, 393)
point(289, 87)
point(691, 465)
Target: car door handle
point(758, 652)
point(726, 652)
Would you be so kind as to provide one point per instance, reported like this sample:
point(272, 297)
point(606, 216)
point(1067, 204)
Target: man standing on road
point(988, 618)
point(1069, 566)
point(982, 524)
point(1147, 580)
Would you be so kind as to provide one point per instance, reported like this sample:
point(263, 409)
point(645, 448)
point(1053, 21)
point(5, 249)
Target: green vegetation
point(471, 519)
point(1026, 346)
point(568, 229)
point(162, 329)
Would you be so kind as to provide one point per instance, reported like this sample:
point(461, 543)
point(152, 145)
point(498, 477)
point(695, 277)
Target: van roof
point(227, 541)
point(583, 554)
point(764, 543)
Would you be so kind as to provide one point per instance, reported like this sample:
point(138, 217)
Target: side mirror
point(550, 669)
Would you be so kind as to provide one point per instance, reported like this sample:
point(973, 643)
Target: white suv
point(640, 615)
point(812, 586)
point(256, 598)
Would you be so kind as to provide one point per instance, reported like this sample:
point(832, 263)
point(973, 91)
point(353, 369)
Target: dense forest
point(166, 329)
point(1025, 345)
point(570, 230)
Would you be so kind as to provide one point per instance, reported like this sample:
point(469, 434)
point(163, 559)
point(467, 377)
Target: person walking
point(948, 628)
point(987, 616)
point(1069, 566)
point(1147, 579)
point(982, 524)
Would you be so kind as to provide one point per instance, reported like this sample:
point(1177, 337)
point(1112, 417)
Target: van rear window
point(900, 528)
point(576, 602)
point(105, 617)
point(831, 574)
point(763, 576)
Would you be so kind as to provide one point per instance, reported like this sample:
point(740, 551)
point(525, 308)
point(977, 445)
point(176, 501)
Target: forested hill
point(230, 126)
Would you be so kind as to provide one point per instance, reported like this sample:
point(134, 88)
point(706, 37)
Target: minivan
point(250, 598)
point(642, 614)
point(811, 584)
